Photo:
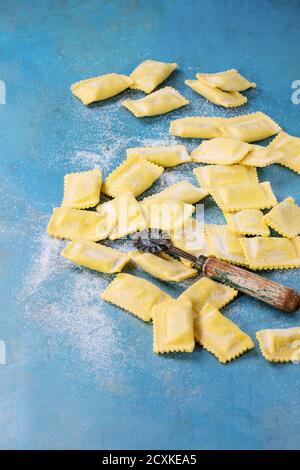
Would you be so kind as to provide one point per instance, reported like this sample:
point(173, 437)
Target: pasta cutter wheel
point(152, 241)
point(270, 292)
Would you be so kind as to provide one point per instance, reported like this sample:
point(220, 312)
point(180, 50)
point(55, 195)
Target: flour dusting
point(46, 264)
point(105, 154)
point(62, 298)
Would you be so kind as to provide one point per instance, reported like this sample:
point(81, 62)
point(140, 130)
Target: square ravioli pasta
point(271, 252)
point(134, 294)
point(280, 344)
point(232, 198)
point(210, 176)
point(166, 214)
point(225, 244)
point(182, 191)
point(219, 335)
point(134, 175)
point(159, 102)
point(128, 215)
point(75, 224)
point(228, 99)
point(285, 218)
point(82, 189)
point(100, 88)
point(173, 326)
point(290, 147)
point(221, 150)
point(247, 222)
point(163, 266)
point(229, 80)
point(150, 73)
point(246, 127)
point(250, 127)
point(163, 155)
point(95, 256)
point(206, 291)
point(197, 127)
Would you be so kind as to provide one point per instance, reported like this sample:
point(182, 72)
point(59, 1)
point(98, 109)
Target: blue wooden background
point(81, 373)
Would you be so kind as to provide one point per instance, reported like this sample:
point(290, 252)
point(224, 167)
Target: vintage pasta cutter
point(270, 292)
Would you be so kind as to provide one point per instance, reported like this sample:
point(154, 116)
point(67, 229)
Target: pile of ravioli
point(229, 176)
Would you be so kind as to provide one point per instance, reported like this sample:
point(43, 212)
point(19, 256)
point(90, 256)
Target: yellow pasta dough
point(246, 127)
point(150, 73)
point(191, 238)
point(82, 189)
point(221, 150)
point(159, 102)
point(95, 256)
point(247, 222)
point(173, 327)
point(290, 147)
point(210, 176)
point(219, 335)
point(261, 156)
point(225, 244)
point(229, 80)
point(163, 266)
point(100, 88)
point(228, 99)
point(232, 198)
point(285, 218)
point(197, 127)
point(249, 127)
point(182, 191)
point(128, 214)
point(271, 252)
point(166, 155)
point(280, 344)
point(134, 175)
point(206, 291)
point(74, 224)
point(134, 294)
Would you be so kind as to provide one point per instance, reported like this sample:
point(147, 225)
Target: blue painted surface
point(81, 374)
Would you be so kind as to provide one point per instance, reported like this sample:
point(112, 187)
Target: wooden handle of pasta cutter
point(257, 286)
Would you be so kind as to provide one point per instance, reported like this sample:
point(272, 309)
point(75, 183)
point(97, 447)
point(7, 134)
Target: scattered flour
point(84, 159)
point(65, 299)
point(46, 264)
